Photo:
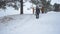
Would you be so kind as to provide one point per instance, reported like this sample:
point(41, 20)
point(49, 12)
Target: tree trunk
point(21, 12)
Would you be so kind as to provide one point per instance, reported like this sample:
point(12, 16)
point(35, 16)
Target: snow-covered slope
point(27, 24)
point(8, 11)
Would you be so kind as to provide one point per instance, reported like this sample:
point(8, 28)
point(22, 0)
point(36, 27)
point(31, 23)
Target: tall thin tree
point(21, 12)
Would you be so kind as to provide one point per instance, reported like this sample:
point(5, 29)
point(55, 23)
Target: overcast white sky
point(55, 1)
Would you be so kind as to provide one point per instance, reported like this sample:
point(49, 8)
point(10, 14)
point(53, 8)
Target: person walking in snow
point(37, 12)
point(42, 10)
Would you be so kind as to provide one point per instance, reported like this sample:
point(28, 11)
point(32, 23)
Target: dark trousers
point(37, 16)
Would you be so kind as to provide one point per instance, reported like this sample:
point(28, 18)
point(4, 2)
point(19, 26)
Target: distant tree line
point(3, 4)
point(45, 4)
point(56, 7)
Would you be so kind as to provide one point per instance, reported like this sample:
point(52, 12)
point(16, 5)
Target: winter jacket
point(37, 10)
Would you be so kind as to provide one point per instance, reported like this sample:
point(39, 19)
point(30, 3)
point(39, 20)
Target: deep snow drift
point(27, 24)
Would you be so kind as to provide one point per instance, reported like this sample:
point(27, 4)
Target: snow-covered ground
point(8, 11)
point(27, 24)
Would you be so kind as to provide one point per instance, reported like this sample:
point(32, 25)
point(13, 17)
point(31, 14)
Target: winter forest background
point(11, 7)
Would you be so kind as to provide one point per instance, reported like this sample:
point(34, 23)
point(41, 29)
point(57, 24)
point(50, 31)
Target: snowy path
point(27, 24)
